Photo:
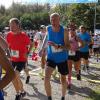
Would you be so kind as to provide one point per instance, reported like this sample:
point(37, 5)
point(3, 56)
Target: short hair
point(54, 14)
point(82, 26)
point(16, 20)
point(42, 27)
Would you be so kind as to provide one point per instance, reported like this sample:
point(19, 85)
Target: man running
point(18, 43)
point(39, 37)
point(56, 54)
point(84, 51)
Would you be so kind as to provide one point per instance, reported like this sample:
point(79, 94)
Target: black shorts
point(62, 67)
point(84, 55)
point(90, 46)
point(96, 50)
point(19, 66)
point(75, 58)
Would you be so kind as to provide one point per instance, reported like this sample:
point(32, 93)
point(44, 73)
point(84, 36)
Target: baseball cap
point(42, 26)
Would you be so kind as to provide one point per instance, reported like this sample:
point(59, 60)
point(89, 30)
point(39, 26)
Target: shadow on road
point(84, 92)
point(32, 66)
point(37, 94)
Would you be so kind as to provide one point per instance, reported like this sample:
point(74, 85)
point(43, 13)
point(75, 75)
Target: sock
point(49, 98)
point(18, 93)
point(22, 91)
point(87, 66)
point(62, 98)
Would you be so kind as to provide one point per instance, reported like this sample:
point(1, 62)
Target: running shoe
point(27, 79)
point(41, 76)
point(49, 98)
point(78, 77)
point(62, 98)
point(87, 67)
point(18, 97)
point(23, 94)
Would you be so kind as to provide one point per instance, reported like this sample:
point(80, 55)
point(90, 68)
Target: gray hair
point(16, 20)
point(54, 14)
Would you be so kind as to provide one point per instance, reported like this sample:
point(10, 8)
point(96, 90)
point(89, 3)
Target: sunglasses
point(71, 29)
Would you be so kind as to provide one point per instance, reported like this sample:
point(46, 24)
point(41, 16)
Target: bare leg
point(70, 71)
point(77, 66)
point(26, 71)
point(64, 85)
point(43, 62)
point(18, 83)
point(47, 84)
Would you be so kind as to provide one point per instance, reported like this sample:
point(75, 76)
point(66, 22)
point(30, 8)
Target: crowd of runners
point(58, 47)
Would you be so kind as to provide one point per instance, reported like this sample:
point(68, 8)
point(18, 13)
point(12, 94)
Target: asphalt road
point(80, 90)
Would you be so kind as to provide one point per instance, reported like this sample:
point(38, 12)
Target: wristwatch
point(59, 45)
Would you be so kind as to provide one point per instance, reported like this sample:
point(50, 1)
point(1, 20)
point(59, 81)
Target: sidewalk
point(80, 90)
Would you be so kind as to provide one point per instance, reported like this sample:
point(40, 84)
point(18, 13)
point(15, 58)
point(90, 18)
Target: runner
point(73, 55)
point(56, 55)
point(96, 46)
point(39, 38)
point(84, 51)
point(18, 43)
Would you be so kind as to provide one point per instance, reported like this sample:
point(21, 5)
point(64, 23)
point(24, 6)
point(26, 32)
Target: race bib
point(71, 53)
point(15, 53)
point(0, 72)
point(56, 50)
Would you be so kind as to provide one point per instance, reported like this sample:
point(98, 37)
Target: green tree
point(2, 10)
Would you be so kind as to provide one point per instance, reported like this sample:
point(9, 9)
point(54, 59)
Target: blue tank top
point(58, 38)
point(85, 37)
point(1, 93)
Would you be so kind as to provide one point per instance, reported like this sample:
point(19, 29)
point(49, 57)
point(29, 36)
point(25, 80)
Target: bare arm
point(80, 42)
point(31, 46)
point(45, 41)
point(66, 39)
point(5, 64)
point(3, 43)
point(4, 46)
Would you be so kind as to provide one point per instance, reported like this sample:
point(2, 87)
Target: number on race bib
point(15, 53)
point(71, 53)
point(56, 50)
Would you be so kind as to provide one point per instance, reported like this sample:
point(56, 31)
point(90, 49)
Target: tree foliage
point(33, 15)
point(82, 14)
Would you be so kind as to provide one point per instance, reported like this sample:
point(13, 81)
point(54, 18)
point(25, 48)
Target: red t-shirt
point(18, 44)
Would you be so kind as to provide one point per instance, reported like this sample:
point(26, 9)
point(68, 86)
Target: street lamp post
point(95, 17)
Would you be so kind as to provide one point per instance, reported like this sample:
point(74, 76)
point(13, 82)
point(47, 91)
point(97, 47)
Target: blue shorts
point(1, 95)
